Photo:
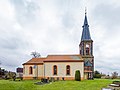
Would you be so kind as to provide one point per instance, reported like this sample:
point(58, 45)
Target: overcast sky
point(55, 27)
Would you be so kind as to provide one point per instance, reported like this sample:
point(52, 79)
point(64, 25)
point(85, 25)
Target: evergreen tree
point(77, 75)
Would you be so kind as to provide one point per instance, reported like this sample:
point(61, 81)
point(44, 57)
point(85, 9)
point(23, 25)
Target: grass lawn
point(96, 84)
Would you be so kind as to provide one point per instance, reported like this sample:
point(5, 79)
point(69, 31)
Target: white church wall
point(61, 69)
point(37, 71)
point(26, 70)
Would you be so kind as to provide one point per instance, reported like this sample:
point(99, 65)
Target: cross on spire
point(85, 10)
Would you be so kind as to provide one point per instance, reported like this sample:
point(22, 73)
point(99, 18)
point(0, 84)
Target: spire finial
point(85, 10)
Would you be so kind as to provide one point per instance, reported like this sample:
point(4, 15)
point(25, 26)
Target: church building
point(64, 66)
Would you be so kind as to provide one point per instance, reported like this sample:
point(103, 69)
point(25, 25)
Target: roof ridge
point(39, 58)
point(63, 54)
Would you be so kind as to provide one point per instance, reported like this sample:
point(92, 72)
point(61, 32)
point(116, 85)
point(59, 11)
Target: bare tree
point(35, 54)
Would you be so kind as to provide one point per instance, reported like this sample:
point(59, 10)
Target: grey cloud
point(25, 11)
point(68, 20)
point(12, 39)
point(107, 14)
point(14, 44)
point(68, 4)
point(106, 66)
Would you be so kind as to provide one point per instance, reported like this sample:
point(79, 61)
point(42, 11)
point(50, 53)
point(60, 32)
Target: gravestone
point(106, 89)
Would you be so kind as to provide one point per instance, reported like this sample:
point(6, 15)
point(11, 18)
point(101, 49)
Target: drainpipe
point(37, 72)
point(44, 70)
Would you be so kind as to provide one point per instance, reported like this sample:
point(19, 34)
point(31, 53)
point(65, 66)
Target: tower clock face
point(87, 45)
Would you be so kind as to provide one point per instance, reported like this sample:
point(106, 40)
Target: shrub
point(97, 74)
point(77, 75)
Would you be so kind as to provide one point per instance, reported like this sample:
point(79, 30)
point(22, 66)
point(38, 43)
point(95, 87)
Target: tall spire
point(85, 32)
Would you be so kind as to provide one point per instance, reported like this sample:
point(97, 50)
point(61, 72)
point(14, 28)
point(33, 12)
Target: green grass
point(96, 84)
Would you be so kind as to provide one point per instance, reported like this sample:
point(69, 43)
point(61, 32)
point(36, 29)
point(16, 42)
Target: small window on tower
point(87, 49)
point(87, 45)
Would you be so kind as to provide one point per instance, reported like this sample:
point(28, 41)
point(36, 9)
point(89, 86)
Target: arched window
point(54, 70)
point(30, 70)
point(67, 70)
point(87, 51)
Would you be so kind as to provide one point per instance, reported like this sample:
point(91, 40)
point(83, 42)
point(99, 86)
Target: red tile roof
point(35, 61)
point(63, 58)
point(56, 58)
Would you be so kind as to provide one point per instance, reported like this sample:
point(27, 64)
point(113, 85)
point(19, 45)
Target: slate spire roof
point(85, 32)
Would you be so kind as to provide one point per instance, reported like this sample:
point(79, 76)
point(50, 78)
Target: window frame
point(55, 70)
point(87, 50)
point(68, 70)
point(30, 70)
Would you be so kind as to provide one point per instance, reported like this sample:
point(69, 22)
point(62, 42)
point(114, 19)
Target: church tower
point(86, 50)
